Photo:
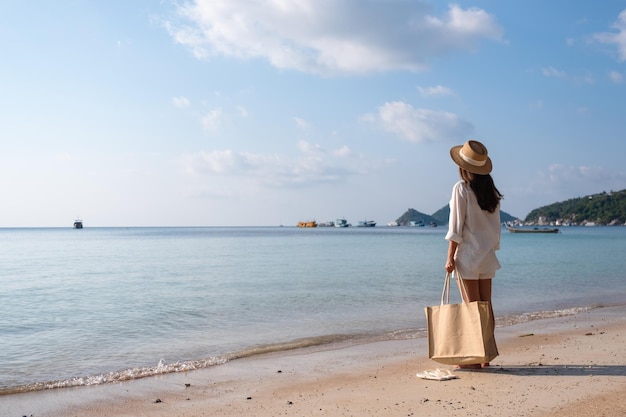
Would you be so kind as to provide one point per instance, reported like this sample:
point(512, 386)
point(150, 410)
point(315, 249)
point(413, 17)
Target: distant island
point(439, 218)
point(606, 208)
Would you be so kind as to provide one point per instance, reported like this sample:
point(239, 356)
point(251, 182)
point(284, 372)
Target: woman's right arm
point(450, 265)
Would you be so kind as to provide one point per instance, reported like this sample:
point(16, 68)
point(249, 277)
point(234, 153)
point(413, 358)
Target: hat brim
point(480, 170)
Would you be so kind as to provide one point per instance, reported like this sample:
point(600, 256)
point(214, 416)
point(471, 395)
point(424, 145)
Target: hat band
point(470, 160)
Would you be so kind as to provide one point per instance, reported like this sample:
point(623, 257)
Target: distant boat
point(341, 223)
point(366, 223)
point(310, 223)
point(533, 230)
point(326, 224)
point(415, 223)
point(393, 223)
point(78, 224)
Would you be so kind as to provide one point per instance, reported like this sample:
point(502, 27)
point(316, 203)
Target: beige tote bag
point(460, 334)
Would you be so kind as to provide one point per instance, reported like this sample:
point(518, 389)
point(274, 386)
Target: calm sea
point(82, 307)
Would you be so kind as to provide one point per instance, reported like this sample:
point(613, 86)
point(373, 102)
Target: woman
point(474, 226)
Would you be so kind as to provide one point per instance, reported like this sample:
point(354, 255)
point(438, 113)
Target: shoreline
point(324, 342)
point(548, 367)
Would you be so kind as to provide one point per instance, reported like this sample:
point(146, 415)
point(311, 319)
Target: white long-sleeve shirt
point(476, 231)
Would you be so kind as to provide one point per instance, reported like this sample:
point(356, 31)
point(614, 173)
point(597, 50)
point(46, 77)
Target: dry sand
point(568, 366)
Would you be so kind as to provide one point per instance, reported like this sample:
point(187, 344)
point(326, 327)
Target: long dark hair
point(483, 186)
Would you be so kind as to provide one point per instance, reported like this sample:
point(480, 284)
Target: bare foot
point(485, 365)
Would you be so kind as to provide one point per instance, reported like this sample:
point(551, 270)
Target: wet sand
point(567, 366)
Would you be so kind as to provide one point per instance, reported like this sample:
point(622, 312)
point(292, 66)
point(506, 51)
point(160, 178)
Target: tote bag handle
point(445, 293)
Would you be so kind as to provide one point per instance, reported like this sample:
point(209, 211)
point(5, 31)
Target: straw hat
point(472, 157)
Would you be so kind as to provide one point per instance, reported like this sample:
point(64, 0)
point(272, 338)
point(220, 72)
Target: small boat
point(310, 223)
point(533, 230)
point(393, 223)
point(341, 223)
point(415, 223)
point(78, 224)
point(366, 223)
point(326, 224)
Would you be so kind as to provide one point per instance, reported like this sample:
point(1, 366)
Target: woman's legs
point(484, 286)
point(478, 290)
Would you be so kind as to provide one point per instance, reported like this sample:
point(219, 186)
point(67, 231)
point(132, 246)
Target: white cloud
point(302, 124)
point(243, 112)
point(331, 37)
point(553, 72)
point(314, 164)
point(571, 180)
point(217, 118)
point(420, 125)
point(616, 77)
point(435, 91)
point(213, 119)
point(181, 102)
point(560, 182)
point(617, 38)
point(561, 173)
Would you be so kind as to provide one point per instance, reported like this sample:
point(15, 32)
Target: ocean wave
point(334, 341)
point(540, 315)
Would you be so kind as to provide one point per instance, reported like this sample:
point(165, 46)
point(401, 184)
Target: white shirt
point(476, 231)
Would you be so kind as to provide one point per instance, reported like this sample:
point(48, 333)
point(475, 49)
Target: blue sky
point(235, 113)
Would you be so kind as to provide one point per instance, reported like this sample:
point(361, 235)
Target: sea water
point(90, 306)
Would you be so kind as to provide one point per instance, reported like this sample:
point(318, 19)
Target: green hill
point(440, 217)
point(606, 208)
point(414, 215)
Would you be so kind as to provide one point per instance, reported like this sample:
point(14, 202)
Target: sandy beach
point(566, 366)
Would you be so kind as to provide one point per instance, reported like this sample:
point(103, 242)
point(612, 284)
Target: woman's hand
point(450, 265)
